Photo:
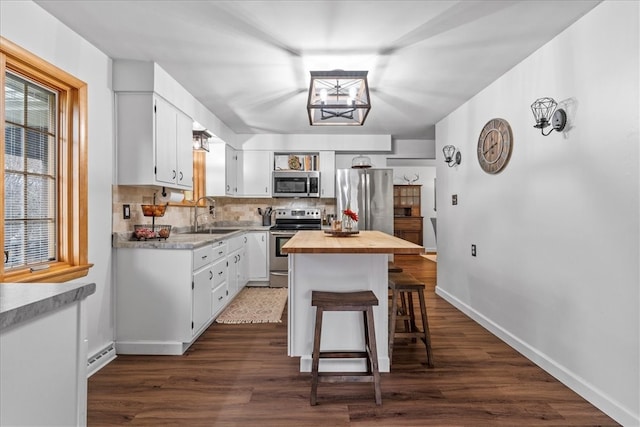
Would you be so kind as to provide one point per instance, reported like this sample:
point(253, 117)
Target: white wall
point(557, 232)
point(46, 37)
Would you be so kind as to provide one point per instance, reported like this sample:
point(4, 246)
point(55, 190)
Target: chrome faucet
point(195, 211)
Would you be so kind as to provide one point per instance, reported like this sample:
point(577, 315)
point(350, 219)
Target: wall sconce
point(449, 151)
point(201, 140)
point(545, 112)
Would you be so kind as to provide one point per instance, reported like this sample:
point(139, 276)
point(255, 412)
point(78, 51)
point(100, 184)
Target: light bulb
point(323, 95)
point(352, 93)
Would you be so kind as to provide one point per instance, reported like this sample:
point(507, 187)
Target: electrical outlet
point(454, 199)
point(126, 211)
point(473, 250)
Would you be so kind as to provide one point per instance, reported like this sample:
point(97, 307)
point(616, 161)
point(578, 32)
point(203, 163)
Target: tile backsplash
point(226, 209)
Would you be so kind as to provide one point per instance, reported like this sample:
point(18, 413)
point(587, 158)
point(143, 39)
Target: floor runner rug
point(255, 305)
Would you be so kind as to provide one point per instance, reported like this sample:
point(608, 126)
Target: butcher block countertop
point(365, 242)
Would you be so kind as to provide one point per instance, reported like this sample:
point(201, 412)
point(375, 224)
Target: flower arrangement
point(348, 218)
point(351, 214)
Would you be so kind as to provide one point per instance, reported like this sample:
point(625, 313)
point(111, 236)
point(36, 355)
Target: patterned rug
point(255, 305)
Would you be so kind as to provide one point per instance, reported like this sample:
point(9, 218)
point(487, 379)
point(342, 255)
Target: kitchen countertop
point(365, 242)
point(184, 240)
point(20, 302)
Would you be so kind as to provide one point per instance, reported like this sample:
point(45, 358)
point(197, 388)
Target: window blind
point(30, 178)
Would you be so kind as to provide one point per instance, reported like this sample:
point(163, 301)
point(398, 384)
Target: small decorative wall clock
point(494, 145)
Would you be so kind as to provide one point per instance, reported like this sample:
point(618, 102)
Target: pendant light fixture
point(201, 140)
point(338, 98)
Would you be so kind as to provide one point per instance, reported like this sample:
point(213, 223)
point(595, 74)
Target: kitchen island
point(320, 261)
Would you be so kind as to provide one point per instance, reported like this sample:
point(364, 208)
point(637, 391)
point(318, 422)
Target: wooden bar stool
point(346, 301)
point(394, 268)
point(401, 285)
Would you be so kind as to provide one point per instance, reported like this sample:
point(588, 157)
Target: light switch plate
point(126, 211)
point(454, 199)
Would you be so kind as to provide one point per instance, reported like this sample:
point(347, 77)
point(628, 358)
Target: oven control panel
point(298, 213)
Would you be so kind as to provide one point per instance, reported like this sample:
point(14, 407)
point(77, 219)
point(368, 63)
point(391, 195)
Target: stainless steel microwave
point(296, 184)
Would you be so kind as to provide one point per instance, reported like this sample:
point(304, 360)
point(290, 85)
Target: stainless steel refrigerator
point(369, 193)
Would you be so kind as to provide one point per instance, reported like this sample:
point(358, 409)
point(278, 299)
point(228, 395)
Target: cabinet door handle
point(220, 297)
point(220, 253)
point(266, 190)
point(204, 256)
point(228, 188)
point(174, 174)
point(210, 274)
point(220, 273)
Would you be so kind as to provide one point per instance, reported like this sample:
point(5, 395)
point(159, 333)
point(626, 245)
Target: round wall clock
point(494, 145)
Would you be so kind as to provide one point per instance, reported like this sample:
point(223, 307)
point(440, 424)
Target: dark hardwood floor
point(240, 375)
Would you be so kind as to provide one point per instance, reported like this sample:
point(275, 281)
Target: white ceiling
point(248, 62)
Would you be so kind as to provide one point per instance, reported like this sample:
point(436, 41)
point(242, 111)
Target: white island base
point(342, 272)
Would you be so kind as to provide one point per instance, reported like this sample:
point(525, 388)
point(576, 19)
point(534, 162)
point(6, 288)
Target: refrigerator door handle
point(367, 202)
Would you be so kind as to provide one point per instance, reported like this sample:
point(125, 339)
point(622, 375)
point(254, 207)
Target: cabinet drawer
point(219, 272)
point(220, 249)
point(219, 298)
point(408, 223)
point(202, 256)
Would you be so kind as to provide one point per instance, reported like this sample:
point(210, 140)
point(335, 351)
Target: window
point(44, 177)
point(29, 173)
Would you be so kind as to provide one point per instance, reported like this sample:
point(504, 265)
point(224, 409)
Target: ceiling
point(248, 62)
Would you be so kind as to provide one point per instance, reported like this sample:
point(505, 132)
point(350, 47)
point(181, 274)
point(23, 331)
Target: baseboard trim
point(101, 359)
point(576, 383)
point(166, 348)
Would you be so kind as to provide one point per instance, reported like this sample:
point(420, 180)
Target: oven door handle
point(283, 233)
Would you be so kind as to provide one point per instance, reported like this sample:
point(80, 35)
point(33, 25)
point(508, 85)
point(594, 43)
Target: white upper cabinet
point(237, 173)
point(221, 170)
point(233, 171)
point(327, 174)
point(256, 173)
point(153, 142)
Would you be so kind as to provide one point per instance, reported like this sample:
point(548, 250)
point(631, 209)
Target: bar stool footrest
point(343, 354)
point(354, 377)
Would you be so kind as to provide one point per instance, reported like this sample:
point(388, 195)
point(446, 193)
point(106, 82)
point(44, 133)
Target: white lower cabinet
point(237, 265)
point(257, 256)
point(201, 306)
point(165, 298)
